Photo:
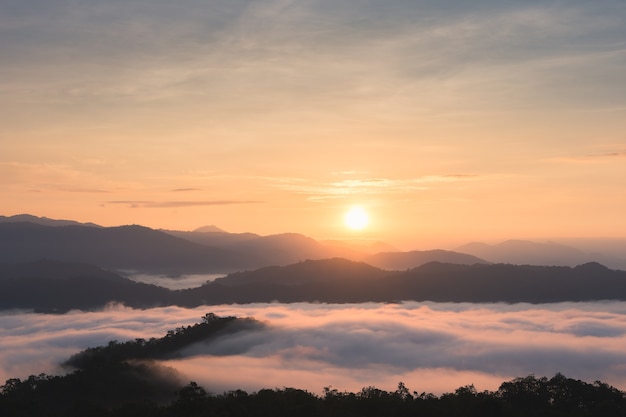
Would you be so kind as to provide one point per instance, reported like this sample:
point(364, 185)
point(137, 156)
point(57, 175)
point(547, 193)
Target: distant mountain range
point(53, 286)
point(27, 238)
point(120, 248)
point(44, 221)
point(398, 261)
point(209, 249)
point(523, 252)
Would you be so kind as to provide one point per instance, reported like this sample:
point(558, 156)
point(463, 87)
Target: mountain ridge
point(173, 253)
point(517, 251)
point(54, 286)
point(142, 249)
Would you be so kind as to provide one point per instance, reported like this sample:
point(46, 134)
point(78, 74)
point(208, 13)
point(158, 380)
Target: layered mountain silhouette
point(44, 221)
point(524, 252)
point(51, 265)
point(57, 287)
point(280, 249)
point(53, 286)
point(124, 247)
point(406, 260)
point(26, 238)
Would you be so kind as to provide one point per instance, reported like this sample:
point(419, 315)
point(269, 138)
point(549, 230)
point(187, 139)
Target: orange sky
point(448, 123)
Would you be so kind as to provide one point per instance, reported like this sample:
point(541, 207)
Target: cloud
point(432, 347)
point(275, 51)
point(174, 283)
point(84, 190)
point(168, 204)
point(364, 186)
point(178, 190)
point(593, 158)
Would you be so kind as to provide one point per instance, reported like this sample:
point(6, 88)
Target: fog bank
point(431, 347)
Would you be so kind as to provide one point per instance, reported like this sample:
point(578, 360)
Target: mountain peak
point(592, 267)
point(210, 229)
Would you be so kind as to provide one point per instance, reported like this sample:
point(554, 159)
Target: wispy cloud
point(168, 204)
point(291, 48)
point(84, 190)
point(180, 190)
point(592, 158)
point(364, 186)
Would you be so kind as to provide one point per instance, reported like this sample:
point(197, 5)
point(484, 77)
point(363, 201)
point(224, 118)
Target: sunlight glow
point(356, 218)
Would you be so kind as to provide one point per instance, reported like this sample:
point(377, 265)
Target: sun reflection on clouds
point(330, 190)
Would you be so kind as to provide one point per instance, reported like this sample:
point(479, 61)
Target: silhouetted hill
point(124, 247)
point(54, 286)
point(138, 248)
point(360, 248)
point(217, 239)
point(44, 221)
point(512, 283)
point(282, 249)
point(120, 374)
point(287, 248)
point(407, 260)
point(259, 251)
point(523, 252)
point(167, 347)
point(307, 272)
point(210, 229)
point(344, 281)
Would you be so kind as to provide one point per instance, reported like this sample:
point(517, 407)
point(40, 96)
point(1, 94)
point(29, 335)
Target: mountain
point(209, 229)
point(287, 248)
point(57, 287)
point(335, 281)
point(120, 378)
point(407, 260)
point(335, 270)
point(523, 252)
point(512, 283)
point(44, 221)
point(138, 248)
point(211, 250)
point(279, 249)
point(283, 249)
point(53, 286)
point(123, 248)
point(360, 246)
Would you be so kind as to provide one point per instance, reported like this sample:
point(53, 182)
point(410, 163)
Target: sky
point(446, 121)
point(431, 347)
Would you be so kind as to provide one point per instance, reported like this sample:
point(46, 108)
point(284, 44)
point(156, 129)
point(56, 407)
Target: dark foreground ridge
point(121, 380)
point(57, 287)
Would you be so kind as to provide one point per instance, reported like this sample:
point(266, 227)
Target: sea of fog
point(173, 283)
point(431, 347)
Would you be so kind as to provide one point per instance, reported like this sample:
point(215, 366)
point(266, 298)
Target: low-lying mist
point(432, 347)
point(181, 282)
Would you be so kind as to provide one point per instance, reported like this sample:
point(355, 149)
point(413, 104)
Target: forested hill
point(167, 347)
point(51, 286)
point(107, 377)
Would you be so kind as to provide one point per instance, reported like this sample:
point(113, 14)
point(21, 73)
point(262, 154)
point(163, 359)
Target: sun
point(356, 218)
